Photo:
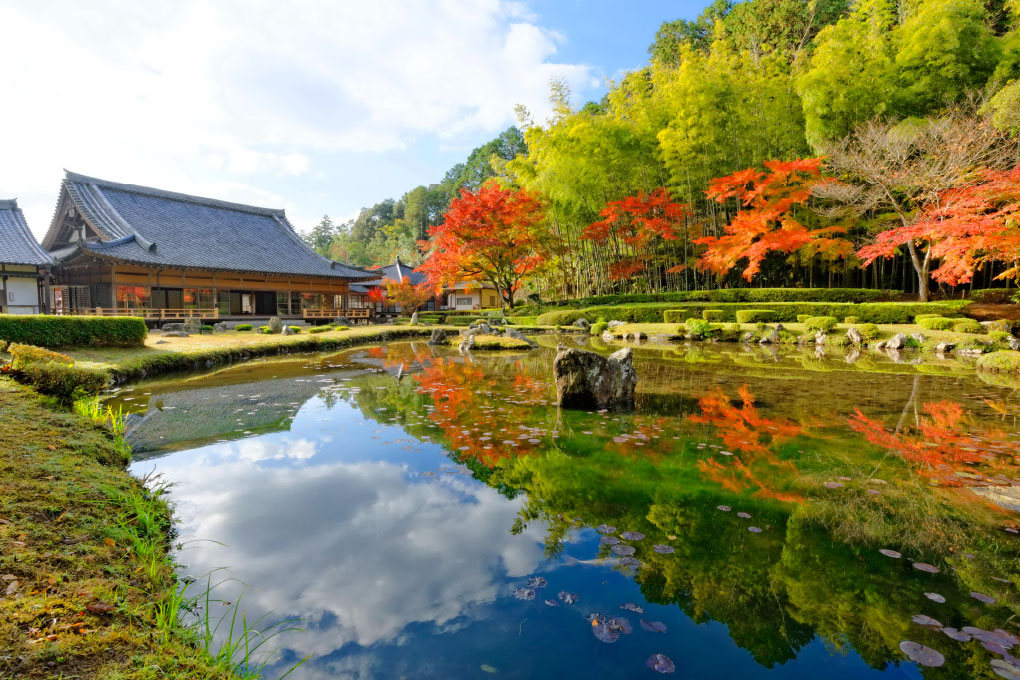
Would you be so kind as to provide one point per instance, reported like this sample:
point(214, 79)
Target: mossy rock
point(1003, 361)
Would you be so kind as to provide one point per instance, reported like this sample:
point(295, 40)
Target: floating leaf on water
point(1008, 638)
point(630, 562)
point(660, 663)
point(489, 669)
point(633, 535)
point(537, 582)
point(663, 549)
point(935, 597)
point(605, 529)
point(1004, 669)
point(925, 620)
point(724, 508)
point(623, 550)
point(609, 540)
point(603, 629)
point(653, 626)
point(754, 530)
point(890, 553)
point(957, 635)
point(981, 597)
point(919, 654)
point(621, 624)
point(743, 515)
point(631, 607)
point(833, 485)
point(569, 598)
point(525, 593)
point(924, 566)
point(552, 603)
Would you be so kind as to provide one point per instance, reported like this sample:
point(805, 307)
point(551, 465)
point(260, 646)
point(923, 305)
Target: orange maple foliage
point(408, 295)
point(947, 445)
point(495, 235)
point(969, 227)
point(766, 222)
point(637, 222)
point(752, 439)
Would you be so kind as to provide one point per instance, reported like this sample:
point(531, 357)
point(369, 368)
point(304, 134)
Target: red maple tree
point(970, 226)
point(633, 225)
point(409, 296)
point(768, 223)
point(495, 235)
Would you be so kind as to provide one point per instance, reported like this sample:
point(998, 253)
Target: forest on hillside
point(754, 148)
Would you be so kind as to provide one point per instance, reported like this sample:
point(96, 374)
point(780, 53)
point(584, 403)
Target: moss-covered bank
point(87, 582)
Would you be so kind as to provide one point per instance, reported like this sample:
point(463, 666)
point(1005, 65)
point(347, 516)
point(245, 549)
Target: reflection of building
point(125, 249)
point(21, 263)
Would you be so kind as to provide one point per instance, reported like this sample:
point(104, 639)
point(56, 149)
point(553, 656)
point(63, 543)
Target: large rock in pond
point(588, 380)
point(467, 344)
point(517, 335)
point(898, 341)
point(438, 337)
point(414, 319)
point(275, 325)
point(853, 336)
point(582, 323)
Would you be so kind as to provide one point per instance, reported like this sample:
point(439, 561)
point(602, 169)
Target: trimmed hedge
point(968, 326)
point(241, 327)
point(62, 381)
point(23, 355)
point(821, 323)
point(993, 295)
point(320, 329)
point(1003, 361)
point(936, 323)
point(712, 314)
point(868, 331)
point(755, 315)
point(872, 312)
point(737, 295)
point(73, 331)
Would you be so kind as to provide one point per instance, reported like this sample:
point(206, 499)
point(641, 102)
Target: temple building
point(121, 249)
point(23, 264)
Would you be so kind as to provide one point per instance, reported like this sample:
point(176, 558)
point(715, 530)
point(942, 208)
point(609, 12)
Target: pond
point(760, 514)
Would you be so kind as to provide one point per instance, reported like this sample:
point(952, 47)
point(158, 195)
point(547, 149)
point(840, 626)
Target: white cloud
point(195, 96)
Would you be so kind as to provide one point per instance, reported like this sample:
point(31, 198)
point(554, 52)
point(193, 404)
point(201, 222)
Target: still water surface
point(428, 515)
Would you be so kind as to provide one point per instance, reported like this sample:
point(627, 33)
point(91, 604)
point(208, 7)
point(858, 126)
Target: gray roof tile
point(398, 271)
point(152, 226)
point(17, 245)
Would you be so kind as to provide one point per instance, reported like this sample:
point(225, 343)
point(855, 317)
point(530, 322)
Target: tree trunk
point(922, 270)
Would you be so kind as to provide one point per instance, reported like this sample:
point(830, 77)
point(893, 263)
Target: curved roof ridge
point(17, 244)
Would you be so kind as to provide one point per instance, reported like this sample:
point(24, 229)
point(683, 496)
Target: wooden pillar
point(4, 307)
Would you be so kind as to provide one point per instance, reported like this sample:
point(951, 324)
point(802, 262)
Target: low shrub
point(63, 381)
point(73, 331)
point(992, 295)
point(761, 326)
point(801, 318)
point(918, 317)
point(205, 328)
point(243, 327)
point(821, 323)
point(294, 329)
point(755, 315)
point(599, 326)
point(712, 314)
point(1002, 325)
point(342, 328)
point(698, 328)
point(522, 320)
point(1003, 361)
point(935, 323)
point(850, 320)
point(3, 345)
point(968, 326)
point(265, 330)
point(868, 331)
point(24, 355)
point(736, 295)
point(999, 337)
point(320, 329)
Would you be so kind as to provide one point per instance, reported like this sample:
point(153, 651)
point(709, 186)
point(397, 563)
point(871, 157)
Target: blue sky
point(317, 107)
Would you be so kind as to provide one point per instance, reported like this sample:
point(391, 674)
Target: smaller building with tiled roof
point(22, 263)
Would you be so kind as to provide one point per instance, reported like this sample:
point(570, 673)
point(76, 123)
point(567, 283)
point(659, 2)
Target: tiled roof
point(17, 245)
point(155, 227)
point(398, 271)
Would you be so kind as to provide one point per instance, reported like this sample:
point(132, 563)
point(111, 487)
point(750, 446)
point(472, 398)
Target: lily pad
point(660, 663)
point(630, 562)
point(621, 624)
point(743, 515)
point(919, 654)
point(631, 607)
point(724, 508)
point(663, 549)
point(488, 669)
point(552, 603)
point(603, 632)
point(623, 550)
point(525, 593)
point(609, 540)
point(925, 620)
point(633, 535)
point(891, 553)
point(833, 485)
point(754, 530)
point(1004, 669)
point(605, 529)
point(537, 582)
point(568, 598)
point(957, 635)
point(935, 597)
point(924, 566)
point(653, 626)
point(981, 597)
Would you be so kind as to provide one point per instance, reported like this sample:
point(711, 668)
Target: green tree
point(322, 235)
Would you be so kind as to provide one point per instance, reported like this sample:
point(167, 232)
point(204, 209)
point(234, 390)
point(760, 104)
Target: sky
point(315, 106)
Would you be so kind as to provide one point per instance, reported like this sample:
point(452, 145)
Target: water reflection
point(395, 497)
